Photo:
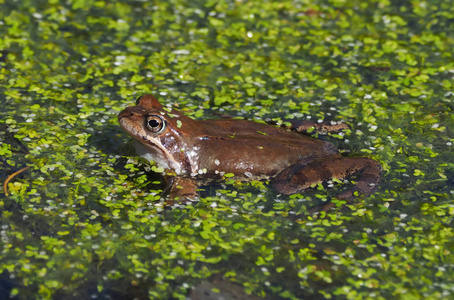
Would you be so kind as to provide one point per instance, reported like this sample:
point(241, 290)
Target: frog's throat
point(160, 155)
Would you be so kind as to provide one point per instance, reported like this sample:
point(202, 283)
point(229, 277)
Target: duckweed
point(87, 220)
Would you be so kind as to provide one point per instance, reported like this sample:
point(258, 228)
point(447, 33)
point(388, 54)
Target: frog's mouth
point(148, 145)
point(159, 155)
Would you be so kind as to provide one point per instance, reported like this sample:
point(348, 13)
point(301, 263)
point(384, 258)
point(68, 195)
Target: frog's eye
point(155, 123)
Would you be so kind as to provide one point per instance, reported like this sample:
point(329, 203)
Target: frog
point(192, 152)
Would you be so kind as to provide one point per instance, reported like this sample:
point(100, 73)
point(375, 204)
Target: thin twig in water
point(5, 185)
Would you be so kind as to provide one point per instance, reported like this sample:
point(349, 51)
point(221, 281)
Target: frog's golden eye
point(155, 123)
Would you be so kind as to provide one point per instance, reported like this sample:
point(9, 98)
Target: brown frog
point(196, 150)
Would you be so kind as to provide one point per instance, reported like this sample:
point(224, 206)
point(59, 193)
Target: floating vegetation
point(87, 219)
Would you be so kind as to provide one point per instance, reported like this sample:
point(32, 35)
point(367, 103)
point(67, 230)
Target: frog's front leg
point(301, 176)
point(181, 191)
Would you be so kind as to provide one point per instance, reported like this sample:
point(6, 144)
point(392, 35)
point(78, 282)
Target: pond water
point(87, 219)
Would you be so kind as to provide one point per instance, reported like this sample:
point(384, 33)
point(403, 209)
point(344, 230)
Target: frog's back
point(256, 150)
point(243, 128)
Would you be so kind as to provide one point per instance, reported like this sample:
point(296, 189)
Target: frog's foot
point(306, 126)
point(301, 176)
point(322, 207)
point(321, 128)
point(182, 191)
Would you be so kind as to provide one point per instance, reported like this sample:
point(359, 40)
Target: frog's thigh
point(298, 177)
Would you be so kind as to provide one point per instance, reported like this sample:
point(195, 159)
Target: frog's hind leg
point(306, 126)
point(301, 176)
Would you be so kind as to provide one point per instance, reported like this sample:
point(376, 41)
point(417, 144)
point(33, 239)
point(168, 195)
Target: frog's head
point(164, 134)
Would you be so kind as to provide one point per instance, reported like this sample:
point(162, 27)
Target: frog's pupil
point(153, 123)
